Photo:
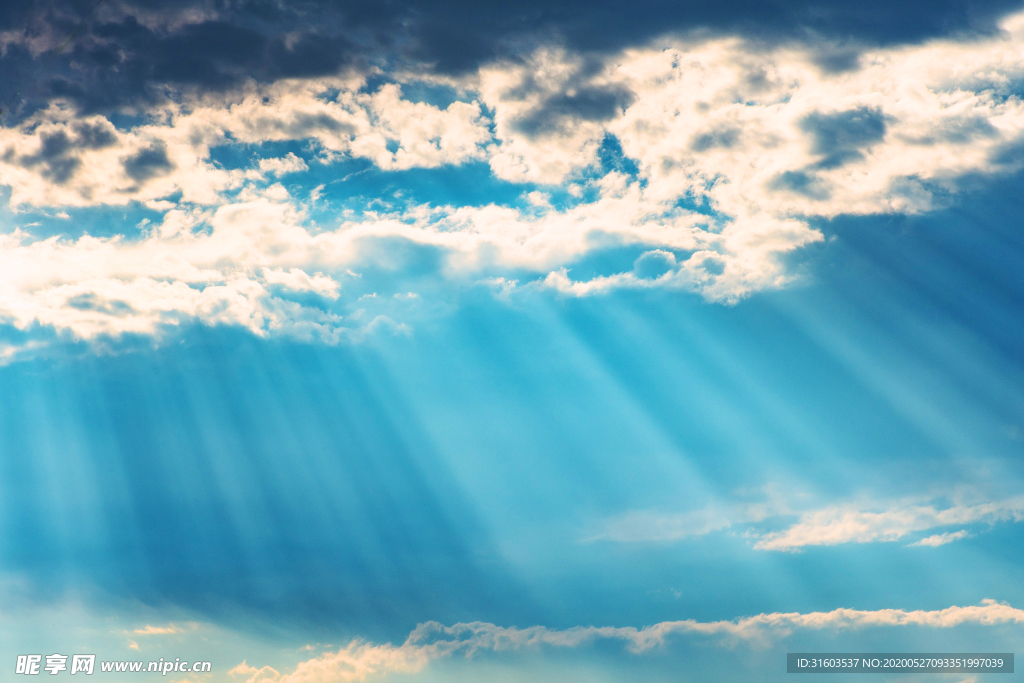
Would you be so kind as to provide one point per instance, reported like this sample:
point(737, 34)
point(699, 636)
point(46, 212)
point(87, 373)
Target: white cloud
point(110, 286)
point(169, 629)
point(769, 134)
point(936, 540)
point(283, 165)
point(300, 281)
point(761, 140)
point(57, 159)
point(392, 132)
point(232, 264)
point(157, 630)
point(360, 660)
point(847, 524)
point(263, 674)
point(766, 139)
point(538, 106)
point(831, 525)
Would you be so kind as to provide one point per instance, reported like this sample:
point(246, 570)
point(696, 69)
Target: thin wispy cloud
point(936, 540)
point(169, 629)
point(846, 524)
point(651, 526)
point(826, 526)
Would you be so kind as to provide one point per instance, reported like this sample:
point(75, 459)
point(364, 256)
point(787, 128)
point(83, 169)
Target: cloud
point(841, 136)
point(55, 159)
point(128, 53)
point(148, 162)
point(240, 263)
point(158, 630)
point(299, 281)
point(360, 660)
point(711, 158)
point(254, 674)
point(250, 264)
point(766, 134)
point(96, 286)
point(845, 524)
point(832, 525)
point(760, 132)
point(282, 165)
point(941, 539)
point(647, 526)
point(550, 113)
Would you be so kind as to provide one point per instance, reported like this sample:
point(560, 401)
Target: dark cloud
point(149, 162)
point(95, 135)
point(720, 137)
point(836, 58)
point(57, 150)
point(306, 124)
point(89, 301)
point(57, 155)
point(126, 50)
point(957, 130)
point(840, 137)
point(458, 34)
point(802, 183)
point(575, 103)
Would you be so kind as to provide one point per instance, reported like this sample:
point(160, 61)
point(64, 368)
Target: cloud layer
point(712, 159)
point(360, 660)
point(129, 53)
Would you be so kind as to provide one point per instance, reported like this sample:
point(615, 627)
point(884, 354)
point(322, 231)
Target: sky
point(520, 342)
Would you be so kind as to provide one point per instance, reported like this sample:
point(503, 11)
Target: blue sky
point(370, 347)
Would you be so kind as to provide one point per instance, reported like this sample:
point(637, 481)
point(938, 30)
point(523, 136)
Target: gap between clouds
point(735, 150)
point(430, 641)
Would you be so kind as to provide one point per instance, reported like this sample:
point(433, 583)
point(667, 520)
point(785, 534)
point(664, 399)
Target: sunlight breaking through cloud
point(728, 151)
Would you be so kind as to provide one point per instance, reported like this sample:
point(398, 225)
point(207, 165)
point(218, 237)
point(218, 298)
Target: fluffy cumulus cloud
point(95, 287)
point(550, 113)
point(360, 660)
point(57, 158)
point(711, 158)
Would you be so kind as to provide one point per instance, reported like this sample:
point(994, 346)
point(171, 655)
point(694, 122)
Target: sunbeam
point(428, 342)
